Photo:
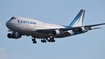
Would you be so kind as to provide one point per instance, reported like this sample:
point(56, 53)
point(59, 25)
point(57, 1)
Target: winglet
point(78, 20)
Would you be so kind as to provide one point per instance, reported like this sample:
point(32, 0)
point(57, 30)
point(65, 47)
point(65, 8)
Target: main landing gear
point(51, 39)
point(44, 40)
point(34, 41)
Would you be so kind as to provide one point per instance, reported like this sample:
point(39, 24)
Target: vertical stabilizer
point(78, 20)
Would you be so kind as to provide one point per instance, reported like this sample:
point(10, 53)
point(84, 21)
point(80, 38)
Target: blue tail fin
point(78, 20)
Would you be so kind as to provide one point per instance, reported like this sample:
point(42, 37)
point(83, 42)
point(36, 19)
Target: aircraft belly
point(39, 35)
point(43, 35)
point(62, 35)
point(28, 30)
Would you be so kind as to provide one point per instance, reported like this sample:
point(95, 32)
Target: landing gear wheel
point(51, 39)
point(34, 41)
point(43, 41)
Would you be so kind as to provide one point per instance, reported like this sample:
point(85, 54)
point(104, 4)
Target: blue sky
point(90, 45)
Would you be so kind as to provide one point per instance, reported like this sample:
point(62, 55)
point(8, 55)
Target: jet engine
point(56, 32)
point(14, 35)
point(81, 30)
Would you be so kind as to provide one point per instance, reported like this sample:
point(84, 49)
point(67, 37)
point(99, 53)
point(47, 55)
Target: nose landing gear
point(44, 40)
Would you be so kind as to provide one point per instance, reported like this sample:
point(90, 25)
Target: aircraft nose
point(9, 23)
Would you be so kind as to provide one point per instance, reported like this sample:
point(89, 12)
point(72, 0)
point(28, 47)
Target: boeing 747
point(20, 26)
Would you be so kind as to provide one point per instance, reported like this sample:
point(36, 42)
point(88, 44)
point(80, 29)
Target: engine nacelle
point(56, 32)
point(14, 35)
point(84, 29)
point(80, 30)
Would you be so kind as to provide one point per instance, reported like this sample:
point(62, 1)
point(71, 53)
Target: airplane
point(20, 26)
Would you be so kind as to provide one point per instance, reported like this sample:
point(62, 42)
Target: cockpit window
point(13, 18)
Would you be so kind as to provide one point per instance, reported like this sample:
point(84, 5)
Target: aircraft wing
point(86, 26)
point(70, 28)
point(95, 25)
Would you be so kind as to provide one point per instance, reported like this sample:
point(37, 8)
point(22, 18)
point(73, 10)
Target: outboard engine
point(15, 35)
point(80, 30)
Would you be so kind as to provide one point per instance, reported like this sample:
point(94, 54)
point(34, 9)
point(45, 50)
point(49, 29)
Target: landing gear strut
point(34, 40)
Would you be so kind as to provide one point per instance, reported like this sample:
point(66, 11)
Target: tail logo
point(78, 20)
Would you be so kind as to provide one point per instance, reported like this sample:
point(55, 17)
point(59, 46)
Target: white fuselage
point(47, 32)
point(28, 26)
